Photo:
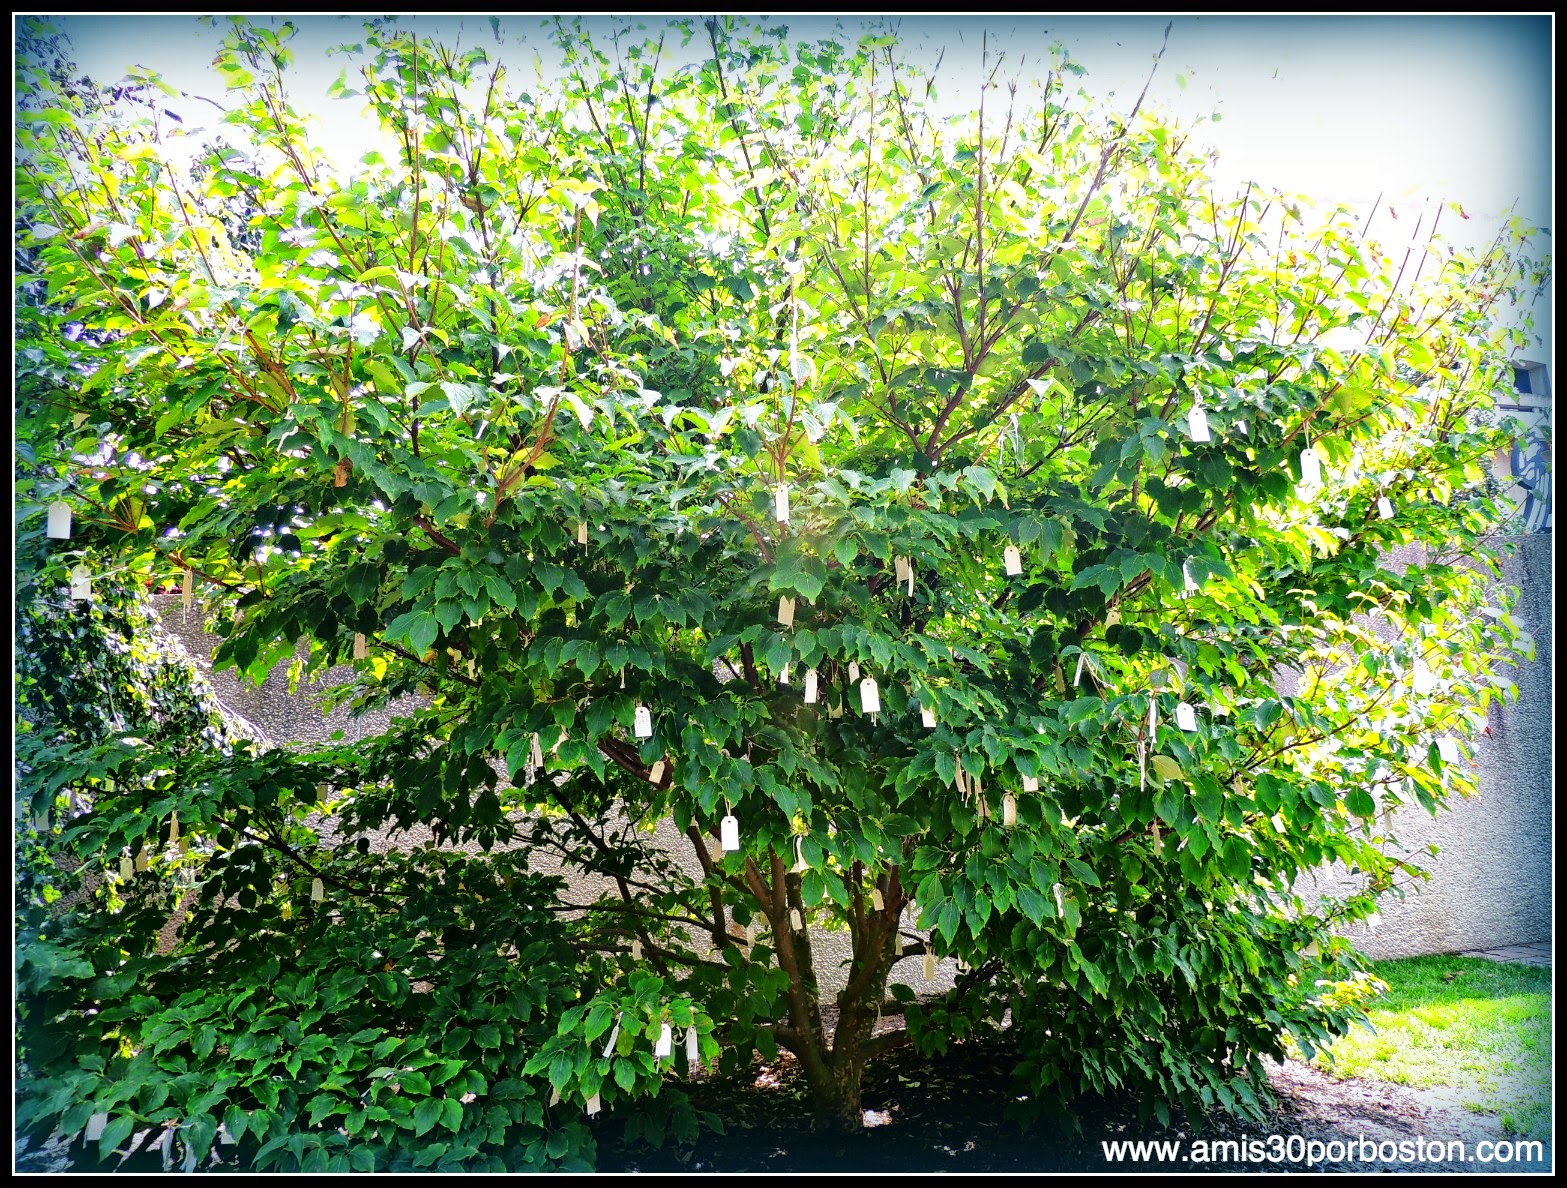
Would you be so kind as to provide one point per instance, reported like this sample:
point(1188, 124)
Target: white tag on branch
point(929, 970)
point(666, 1042)
point(693, 1048)
point(127, 867)
point(1012, 560)
point(781, 502)
point(1153, 715)
point(1142, 765)
point(960, 777)
point(1009, 810)
point(870, 696)
point(636, 948)
point(835, 709)
point(900, 569)
point(786, 611)
point(554, 1097)
point(593, 1105)
point(187, 589)
point(81, 583)
point(1030, 783)
point(1310, 469)
point(317, 890)
point(908, 579)
point(95, 1127)
point(656, 773)
point(1185, 716)
point(1197, 424)
point(1447, 749)
point(799, 866)
point(927, 717)
point(1385, 508)
point(141, 858)
point(982, 807)
point(1113, 617)
point(361, 646)
point(1158, 840)
point(643, 724)
point(59, 521)
point(536, 751)
point(1060, 893)
point(582, 532)
point(854, 671)
point(810, 686)
point(794, 920)
point(614, 1034)
point(1082, 658)
point(729, 833)
point(877, 902)
point(174, 827)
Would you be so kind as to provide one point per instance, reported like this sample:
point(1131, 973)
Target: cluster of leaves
point(501, 413)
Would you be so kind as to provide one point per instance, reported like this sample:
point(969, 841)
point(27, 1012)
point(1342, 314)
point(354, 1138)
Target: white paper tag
point(1009, 810)
point(1153, 716)
point(1013, 560)
point(810, 686)
point(786, 612)
point(900, 569)
point(656, 773)
point(1447, 749)
point(317, 891)
point(1185, 716)
point(1082, 658)
point(799, 866)
point(141, 858)
point(835, 709)
point(929, 970)
point(614, 1034)
point(729, 833)
point(174, 827)
point(95, 1127)
point(1279, 825)
point(1060, 893)
point(643, 727)
point(81, 583)
point(666, 1042)
point(535, 751)
point(927, 717)
point(1060, 678)
point(870, 696)
point(1158, 840)
point(636, 948)
point(59, 521)
point(582, 532)
point(960, 777)
point(554, 1097)
point(1385, 508)
point(909, 579)
point(1197, 424)
point(187, 589)
point(361, 646)
point(593, 1106)
point(877, 902)
point(127, 867)
point(693, 1047)
point(854, 671)
point(981, 805)
point(1030, 784)
point(781, 502)
point(750, 933)
point(1112, 617)
point(794, 920)
point(1310, 468)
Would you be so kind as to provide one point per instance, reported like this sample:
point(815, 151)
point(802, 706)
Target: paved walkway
point(1535, 954)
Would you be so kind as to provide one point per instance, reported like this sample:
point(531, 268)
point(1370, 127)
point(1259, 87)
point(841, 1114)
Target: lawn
point(1479, 1027)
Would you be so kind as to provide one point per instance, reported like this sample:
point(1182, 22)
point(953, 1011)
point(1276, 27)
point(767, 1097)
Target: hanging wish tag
point(317, 891)
point(729, 833)
point(927, 717)
point(781, 502)
point(854, 671)
point(614, 1034)
point(1077, 677)
point(1185, 716)
point(794, 920)
point(535, 751)
point(1030, 783)
point(810, 686)
point(1310, 468)
point(554, 1097)
point(908, 578)
point(786, 611)
point(666, 1042)
point(141, 858)
point(127, 867)
point(59, 521)
point(361, 646)
point(1060, 894)
point(593, 1105)
point(750, 933)
point(1385, 508)
point(81, 583)
point(187, 589)
point(1158, 840)
point(835, 709)
point(877, 902)
point(582, 532)
point(1153, 715)
point(900, 569)
point(636, 948)
point(643, 727)
point(1060, 678)
point(929, 970)
point(655, 773)
point(799, 866)
point(1013, 560)
point(693, 1047)
point(1197, 424)
point(1447, 749)
point(1113, 617)
point(174, 827)
point(870, 696)
point(1009, 810)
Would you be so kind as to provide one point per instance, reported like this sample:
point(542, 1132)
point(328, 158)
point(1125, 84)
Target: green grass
point(1480, 1027)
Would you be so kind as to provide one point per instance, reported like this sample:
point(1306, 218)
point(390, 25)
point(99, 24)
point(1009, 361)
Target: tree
point(919, 515)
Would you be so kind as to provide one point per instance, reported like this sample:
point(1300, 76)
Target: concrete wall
point(1490, 883)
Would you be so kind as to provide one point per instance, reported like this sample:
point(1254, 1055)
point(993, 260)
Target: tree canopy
point(977, 536)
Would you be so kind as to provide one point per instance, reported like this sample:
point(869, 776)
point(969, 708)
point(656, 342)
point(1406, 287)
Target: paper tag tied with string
point(878, 903)
point(870, 696)
point(929, 967)
point(786, 611)
point(593, 1105)
point(810, 686)
point(582, 532)
point(643, 722)
point(655, 774)
point(1012, 559)
point(1197, 424)
point(666, 1042)
point(1009, 811)
point(781, 502)
point(1185, 716)
point(187, 589)
point(927, 717)
point(361, 646)
point(317, 890)
point(1310, 469)
point(854, 671)
point(729, 833)
point(1385, 508)
point(693, 1047)
point(81, 584)
point(614, 1034)
point(1030, 783)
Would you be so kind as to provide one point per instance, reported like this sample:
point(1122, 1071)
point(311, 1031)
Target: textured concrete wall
point(1490, 883)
